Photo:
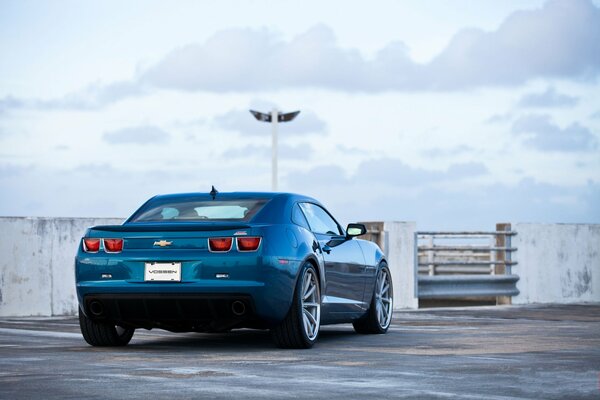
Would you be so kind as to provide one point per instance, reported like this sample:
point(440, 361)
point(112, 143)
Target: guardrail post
point(493, 255)
point(430, 256)
point(503, 257)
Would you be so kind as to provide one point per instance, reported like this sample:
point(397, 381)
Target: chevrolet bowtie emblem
point(162, 243)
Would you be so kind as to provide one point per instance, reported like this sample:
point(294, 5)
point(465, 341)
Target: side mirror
point(355, 230)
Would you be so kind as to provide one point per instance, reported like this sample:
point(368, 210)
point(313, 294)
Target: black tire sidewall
point(101, 334)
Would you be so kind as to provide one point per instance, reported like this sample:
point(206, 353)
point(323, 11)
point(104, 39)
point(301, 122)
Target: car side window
point(298, 217)
point(319, 220)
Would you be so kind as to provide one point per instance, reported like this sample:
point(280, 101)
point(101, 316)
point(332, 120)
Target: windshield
point(200, 210)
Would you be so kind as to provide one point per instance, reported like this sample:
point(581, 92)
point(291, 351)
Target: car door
point(343, 260)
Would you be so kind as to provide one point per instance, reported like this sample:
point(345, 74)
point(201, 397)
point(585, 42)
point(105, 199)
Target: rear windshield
point(200, 210)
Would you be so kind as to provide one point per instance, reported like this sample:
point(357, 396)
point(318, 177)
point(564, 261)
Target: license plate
point(170, 272)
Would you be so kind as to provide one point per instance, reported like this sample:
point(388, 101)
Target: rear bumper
point(269, 303)
point(175, 312)
point(267, 283)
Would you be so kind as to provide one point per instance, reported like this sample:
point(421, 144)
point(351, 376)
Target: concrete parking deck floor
point(489, 352)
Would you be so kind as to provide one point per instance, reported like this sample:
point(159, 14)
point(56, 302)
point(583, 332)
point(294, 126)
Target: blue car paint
point(346, 271)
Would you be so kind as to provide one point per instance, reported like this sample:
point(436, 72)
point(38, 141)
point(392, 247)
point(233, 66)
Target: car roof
point(235, 195)
point(278, 211)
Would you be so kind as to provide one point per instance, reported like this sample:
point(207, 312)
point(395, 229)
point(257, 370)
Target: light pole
point(274, 118)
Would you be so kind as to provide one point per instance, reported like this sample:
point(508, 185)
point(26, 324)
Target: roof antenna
point(213, 192)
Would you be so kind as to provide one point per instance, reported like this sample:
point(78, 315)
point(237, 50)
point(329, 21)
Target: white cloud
point(387, 171)
point(499, 118)
point(435, 152)
point(369, 111)
point(543, 134)
point(435, 199)
point(93, 97)
point(560, 40)
point(353, 151)
point(483, 205)
point(438, 200)
point(301, 151)
point(548, 98)
point(103, 190)
point(10, 102)
point(145, 134)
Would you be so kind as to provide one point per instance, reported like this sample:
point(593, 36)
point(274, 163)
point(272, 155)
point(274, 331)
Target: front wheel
point(300, 327)
point(379, 316)
point(99, 334)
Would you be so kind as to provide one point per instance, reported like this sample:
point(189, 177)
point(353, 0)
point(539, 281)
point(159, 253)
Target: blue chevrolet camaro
point(220, 261)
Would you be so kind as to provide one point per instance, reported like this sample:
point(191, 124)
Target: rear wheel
point(379, 316)
point(300, 328)
point(100, 334)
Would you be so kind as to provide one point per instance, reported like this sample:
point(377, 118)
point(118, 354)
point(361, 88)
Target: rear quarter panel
point(373, 257)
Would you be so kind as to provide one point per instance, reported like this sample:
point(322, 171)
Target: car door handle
point(327, 249)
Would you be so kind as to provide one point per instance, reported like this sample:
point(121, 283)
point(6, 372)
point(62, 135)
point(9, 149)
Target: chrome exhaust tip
point(96, 308)
point(238, 308)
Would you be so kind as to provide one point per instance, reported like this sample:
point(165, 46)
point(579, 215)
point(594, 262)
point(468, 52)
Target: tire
point(99, 334)
point(379, 316)
point(300, 327)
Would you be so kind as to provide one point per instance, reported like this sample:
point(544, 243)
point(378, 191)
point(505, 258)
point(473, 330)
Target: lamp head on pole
point(281, 117)
point(274, 118)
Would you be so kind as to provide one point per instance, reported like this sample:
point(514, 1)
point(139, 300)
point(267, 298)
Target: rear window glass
point(201, 210)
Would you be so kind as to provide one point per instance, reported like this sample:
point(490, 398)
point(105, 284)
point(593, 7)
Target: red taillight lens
point(91, 245)
point(220, 244)
point(113, 245)
point(248, 243)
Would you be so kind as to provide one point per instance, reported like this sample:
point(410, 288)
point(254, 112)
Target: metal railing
point(477, 252)
point(459, 265)
point(466, 264)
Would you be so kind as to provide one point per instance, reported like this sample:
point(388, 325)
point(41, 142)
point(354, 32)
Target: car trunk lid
point(165, 236)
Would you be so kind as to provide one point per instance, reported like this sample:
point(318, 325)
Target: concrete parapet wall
point(399, 248)
point(37, 264)
point(397, 240)
point(557, 263)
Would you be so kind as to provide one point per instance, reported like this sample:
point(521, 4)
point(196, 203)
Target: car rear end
point(184, 275)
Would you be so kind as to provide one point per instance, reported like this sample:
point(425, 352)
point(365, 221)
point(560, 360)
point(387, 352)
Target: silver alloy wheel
point(311, 304)
point(383, 298)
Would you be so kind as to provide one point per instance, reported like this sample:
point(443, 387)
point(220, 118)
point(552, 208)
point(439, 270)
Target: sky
point(456, 115)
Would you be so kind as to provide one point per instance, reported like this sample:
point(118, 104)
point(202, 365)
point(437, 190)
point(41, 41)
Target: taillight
point(219, 244)
point(113, 245)
point(248, 243)
point(91, 245)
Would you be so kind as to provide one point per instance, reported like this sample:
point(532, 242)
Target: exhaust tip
point(96, 308)
point(238, 308)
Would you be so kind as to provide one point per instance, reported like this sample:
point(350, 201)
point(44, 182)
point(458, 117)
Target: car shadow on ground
point(246, 339)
